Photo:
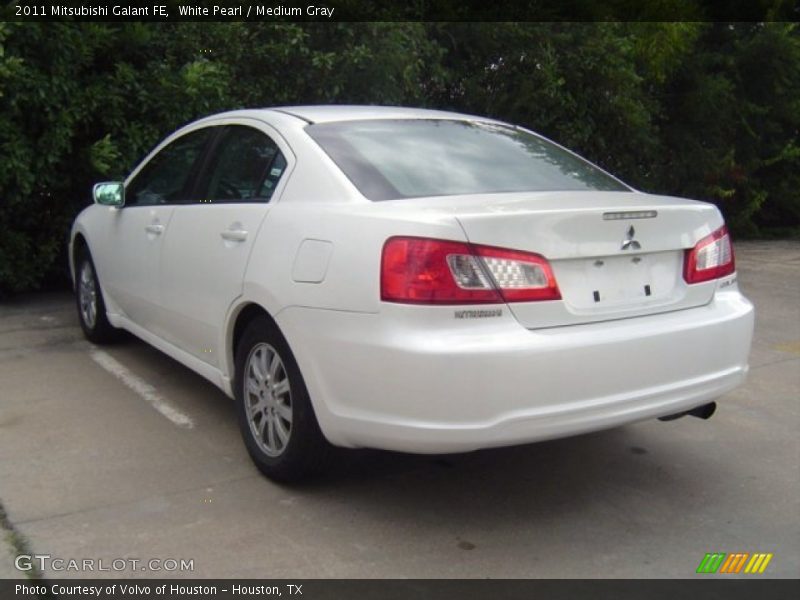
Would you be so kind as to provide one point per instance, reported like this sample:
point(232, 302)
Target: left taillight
point(711, 258)
point(429, 271)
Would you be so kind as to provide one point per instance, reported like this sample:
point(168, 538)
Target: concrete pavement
point(88, 470)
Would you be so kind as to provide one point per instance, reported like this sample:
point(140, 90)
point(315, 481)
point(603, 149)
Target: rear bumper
point(416, 379)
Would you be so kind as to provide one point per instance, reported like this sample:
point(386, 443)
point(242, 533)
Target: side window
point(164, 179)
point(246, 167)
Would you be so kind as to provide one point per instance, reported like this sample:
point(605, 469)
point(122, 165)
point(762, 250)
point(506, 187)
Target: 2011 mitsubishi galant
point(411, 280)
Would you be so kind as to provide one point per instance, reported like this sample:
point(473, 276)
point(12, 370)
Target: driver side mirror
point(109, 193)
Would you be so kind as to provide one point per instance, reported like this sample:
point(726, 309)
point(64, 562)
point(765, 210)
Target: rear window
point(409, 158)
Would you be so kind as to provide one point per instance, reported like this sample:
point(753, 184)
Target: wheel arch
point(240, 317)
point(78, 244)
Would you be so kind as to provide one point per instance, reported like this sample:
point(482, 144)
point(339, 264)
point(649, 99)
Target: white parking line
point(141, 387)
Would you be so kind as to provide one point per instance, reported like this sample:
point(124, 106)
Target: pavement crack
point(18, 542)
point(775, 362)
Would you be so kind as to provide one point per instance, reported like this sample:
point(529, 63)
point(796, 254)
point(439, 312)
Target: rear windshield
point(412, 158)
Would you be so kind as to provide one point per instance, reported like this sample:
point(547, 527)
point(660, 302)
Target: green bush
point(708, 111)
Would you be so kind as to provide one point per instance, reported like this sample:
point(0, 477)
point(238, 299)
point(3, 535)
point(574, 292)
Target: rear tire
point(89, 299)
point(277, 421)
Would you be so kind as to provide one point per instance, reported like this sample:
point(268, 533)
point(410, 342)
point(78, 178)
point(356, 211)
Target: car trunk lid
point(614, 254)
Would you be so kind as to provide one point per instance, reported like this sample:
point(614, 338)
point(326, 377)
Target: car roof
point(342, 112)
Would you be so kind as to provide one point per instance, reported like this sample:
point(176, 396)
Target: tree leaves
point(703, 110)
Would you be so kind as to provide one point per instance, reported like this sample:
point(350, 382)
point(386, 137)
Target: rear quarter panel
point(356, 233)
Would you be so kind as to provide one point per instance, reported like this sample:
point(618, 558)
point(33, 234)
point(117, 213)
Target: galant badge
point(629, 243)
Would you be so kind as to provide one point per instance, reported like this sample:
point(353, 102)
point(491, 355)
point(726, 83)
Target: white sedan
point(410, 280)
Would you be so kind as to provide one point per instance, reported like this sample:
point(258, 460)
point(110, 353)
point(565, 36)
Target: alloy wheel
point(268, 399)
point(87, 295)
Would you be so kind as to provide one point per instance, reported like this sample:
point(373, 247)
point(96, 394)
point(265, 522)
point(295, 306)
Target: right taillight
point(711, 258)
point(429, 271)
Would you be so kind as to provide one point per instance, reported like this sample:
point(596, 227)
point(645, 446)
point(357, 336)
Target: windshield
point(412, 158)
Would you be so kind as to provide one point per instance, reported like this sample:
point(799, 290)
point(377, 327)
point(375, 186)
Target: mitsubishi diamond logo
point(629, 243)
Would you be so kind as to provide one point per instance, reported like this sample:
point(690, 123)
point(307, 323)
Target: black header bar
point(265, 11)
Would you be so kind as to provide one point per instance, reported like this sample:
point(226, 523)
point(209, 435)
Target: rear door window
point(245, 166)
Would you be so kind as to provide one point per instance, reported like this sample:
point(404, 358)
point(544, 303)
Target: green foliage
point(704, 110)
point(576, 83)
point(733, 115)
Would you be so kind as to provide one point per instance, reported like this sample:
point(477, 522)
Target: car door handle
point(154, 229)
point(234, 235)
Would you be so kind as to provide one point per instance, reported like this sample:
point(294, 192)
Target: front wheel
point(91, 308)
point(276, 418)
